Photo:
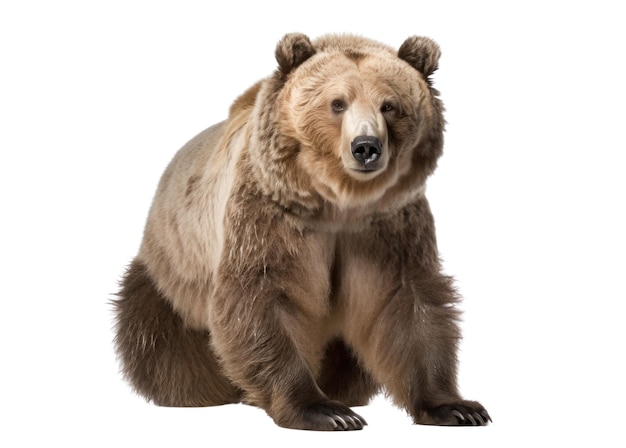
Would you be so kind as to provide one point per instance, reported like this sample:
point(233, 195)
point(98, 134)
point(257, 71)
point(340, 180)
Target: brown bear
point(289, 258)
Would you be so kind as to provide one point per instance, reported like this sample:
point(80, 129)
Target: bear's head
point(348, 121)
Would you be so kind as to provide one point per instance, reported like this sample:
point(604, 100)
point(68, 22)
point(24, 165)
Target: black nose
point(366, 149)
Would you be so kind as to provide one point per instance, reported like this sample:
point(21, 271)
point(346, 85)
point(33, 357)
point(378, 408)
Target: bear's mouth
point(369, 168)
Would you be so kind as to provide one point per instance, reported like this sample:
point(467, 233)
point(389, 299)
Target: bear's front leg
point(402, 319)
point(429, 367)
point(410, 347)
point(267, 319)
point(261, 338)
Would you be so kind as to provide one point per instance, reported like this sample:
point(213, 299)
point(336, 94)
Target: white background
point(95, 98)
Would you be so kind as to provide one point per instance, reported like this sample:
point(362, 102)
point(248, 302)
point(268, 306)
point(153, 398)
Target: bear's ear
point(422, 53)
point(292, 50)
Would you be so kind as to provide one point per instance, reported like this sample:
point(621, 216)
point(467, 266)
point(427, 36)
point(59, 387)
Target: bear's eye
point(338, 106)
point(386, 107)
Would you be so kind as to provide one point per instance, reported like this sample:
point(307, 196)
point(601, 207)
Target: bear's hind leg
point(164, 360)
point(343, 379)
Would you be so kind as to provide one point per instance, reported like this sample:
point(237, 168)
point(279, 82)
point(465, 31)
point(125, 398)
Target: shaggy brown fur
point(279, 269)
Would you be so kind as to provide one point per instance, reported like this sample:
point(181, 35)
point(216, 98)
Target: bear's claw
point(331, 416)
point(465, 413)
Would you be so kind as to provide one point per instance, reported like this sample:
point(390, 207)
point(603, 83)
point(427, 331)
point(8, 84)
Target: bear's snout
point(366, 149)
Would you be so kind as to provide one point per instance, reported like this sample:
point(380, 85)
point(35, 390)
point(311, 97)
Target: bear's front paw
point(325, 416)
point(462, 413)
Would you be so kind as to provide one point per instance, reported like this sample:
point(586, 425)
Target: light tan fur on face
point(364, 85)
point(362, 118)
